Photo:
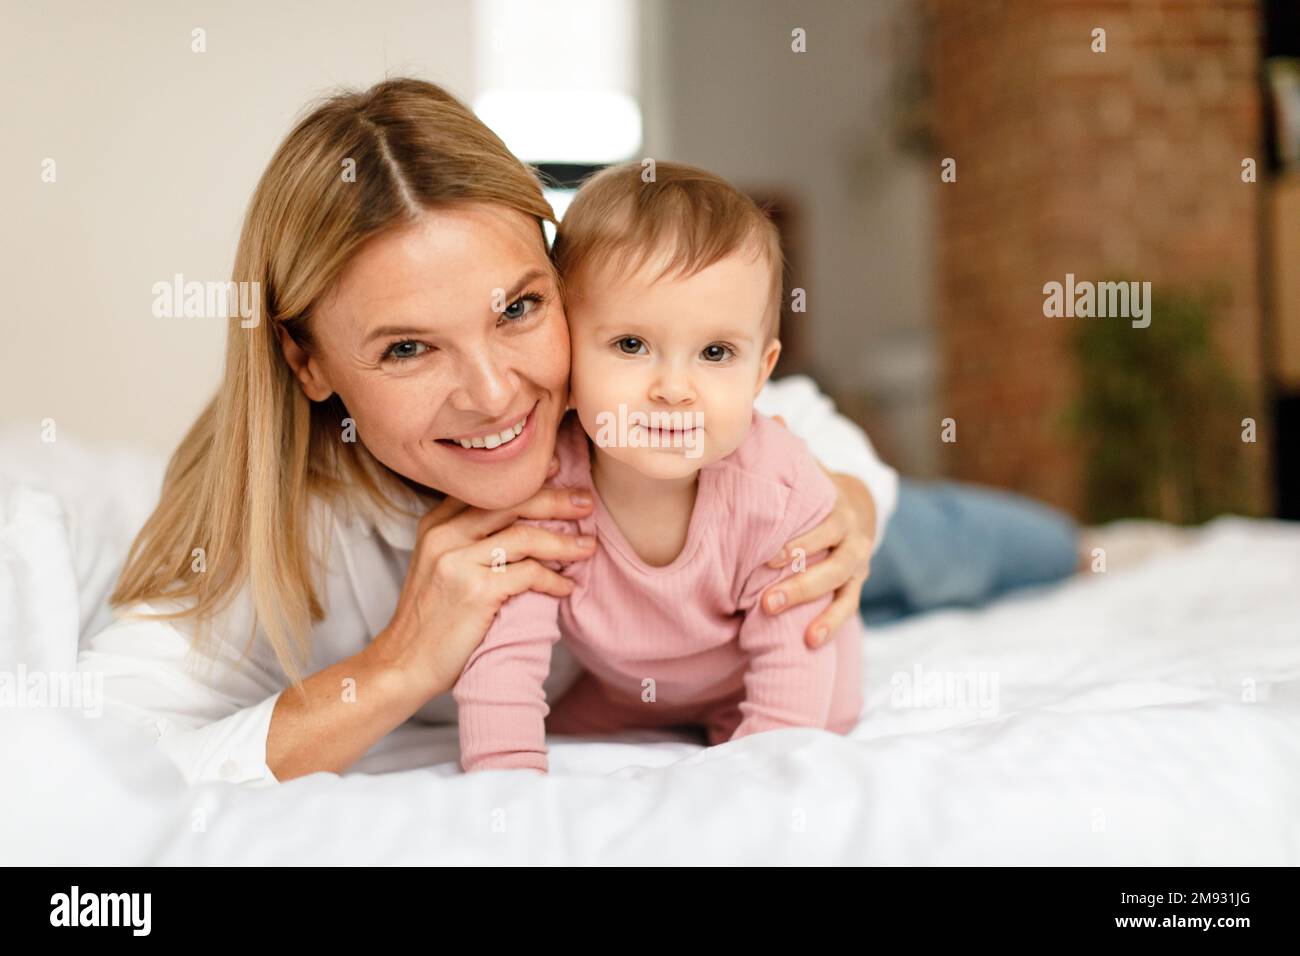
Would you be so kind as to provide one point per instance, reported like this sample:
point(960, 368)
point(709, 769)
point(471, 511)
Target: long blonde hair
point(240, 483)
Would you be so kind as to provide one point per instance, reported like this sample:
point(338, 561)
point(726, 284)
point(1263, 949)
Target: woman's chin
point(493, 499)
point(501, 486)
point(501, 476)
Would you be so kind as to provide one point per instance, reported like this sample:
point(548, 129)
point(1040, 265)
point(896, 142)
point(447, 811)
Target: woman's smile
point(495, 443)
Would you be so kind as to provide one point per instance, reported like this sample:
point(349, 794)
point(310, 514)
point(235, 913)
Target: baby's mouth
point(669, 435)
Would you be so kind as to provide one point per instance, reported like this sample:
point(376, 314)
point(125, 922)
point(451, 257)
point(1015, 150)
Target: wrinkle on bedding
point(1143, 717)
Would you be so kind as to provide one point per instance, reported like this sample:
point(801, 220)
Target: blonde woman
point(335, 523)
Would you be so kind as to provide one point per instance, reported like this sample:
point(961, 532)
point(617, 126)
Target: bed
point(1143, 716)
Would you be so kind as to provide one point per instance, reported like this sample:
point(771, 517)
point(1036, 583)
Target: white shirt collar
point(396, 528)
point(399, 530)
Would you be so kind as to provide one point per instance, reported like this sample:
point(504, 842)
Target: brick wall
point(1123, 163)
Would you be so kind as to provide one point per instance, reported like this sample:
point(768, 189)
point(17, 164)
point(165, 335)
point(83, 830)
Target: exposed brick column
point(1122, 163)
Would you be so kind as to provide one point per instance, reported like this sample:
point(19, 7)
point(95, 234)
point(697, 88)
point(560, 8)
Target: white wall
point(157, 150)
point(817, 125)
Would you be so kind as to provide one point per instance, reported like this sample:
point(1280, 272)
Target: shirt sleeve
point(787, 683)
point(839, 444)
point(499, 695)
point(211, 718)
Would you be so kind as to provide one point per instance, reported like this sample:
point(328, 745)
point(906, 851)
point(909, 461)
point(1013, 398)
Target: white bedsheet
point(1144, 717)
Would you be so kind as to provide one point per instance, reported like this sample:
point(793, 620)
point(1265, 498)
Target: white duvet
point(1144, 717)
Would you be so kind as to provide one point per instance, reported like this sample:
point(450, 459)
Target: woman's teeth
point(494, 441)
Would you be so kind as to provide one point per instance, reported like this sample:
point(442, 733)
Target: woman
point(328, 523)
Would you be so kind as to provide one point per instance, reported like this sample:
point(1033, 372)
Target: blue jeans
point(950, 544)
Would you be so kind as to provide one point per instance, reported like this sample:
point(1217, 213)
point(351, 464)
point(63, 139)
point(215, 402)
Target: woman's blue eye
point(521, 306)
point(716, 353)
point(630, 345)
point(406, 349)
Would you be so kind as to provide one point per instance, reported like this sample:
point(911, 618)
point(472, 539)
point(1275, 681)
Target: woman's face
point(447, 333)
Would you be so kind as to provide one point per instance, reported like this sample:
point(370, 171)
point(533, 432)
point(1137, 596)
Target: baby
point(673, 292)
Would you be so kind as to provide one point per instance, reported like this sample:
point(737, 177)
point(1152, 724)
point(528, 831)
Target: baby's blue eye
point(630, 345)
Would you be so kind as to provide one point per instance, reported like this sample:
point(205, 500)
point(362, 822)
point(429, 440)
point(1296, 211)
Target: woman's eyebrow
point(532, 275)
point(384, 331)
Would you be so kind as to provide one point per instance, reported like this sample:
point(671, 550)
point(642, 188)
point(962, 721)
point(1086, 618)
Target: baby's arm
point(787, 684)
point(499, 694)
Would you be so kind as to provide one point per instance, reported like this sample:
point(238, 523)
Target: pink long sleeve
point(500, 698)
point(499, 695)
point(682, 643)
point(787, 684)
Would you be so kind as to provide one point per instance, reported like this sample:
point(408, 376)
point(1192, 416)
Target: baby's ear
point(770, 354)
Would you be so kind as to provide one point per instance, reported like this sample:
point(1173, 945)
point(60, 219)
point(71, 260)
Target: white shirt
point(212, 718)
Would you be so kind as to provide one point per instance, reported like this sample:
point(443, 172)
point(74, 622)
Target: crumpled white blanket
point(1144, 717)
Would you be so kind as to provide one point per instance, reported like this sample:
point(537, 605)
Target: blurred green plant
point(1159, 413)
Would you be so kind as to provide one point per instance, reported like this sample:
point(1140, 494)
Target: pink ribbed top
point(683, 643)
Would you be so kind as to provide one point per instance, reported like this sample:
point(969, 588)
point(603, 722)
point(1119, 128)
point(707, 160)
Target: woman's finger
point(825, 537)
point(506, 548)
point(563, 504)
point(530, 576)
point(847, 600)
point(823, 578)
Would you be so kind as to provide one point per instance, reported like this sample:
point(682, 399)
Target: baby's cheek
point(578, 376)
point(723, 435)
point(594, 388)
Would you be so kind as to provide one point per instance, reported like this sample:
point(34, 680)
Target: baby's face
point(664, 373)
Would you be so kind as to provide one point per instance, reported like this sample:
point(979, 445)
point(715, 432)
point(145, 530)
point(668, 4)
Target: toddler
point(673, 292)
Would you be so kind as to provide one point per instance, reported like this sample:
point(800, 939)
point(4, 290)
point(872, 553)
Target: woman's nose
point(488, 386)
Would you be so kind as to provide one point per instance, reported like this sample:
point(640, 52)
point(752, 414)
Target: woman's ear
point(768, 362)
point(305, 367)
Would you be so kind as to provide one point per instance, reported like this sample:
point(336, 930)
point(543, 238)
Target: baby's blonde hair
point(626, 215)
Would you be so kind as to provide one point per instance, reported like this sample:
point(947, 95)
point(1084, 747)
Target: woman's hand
point(447, 603)
point(466, 563)
point(850, 533)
